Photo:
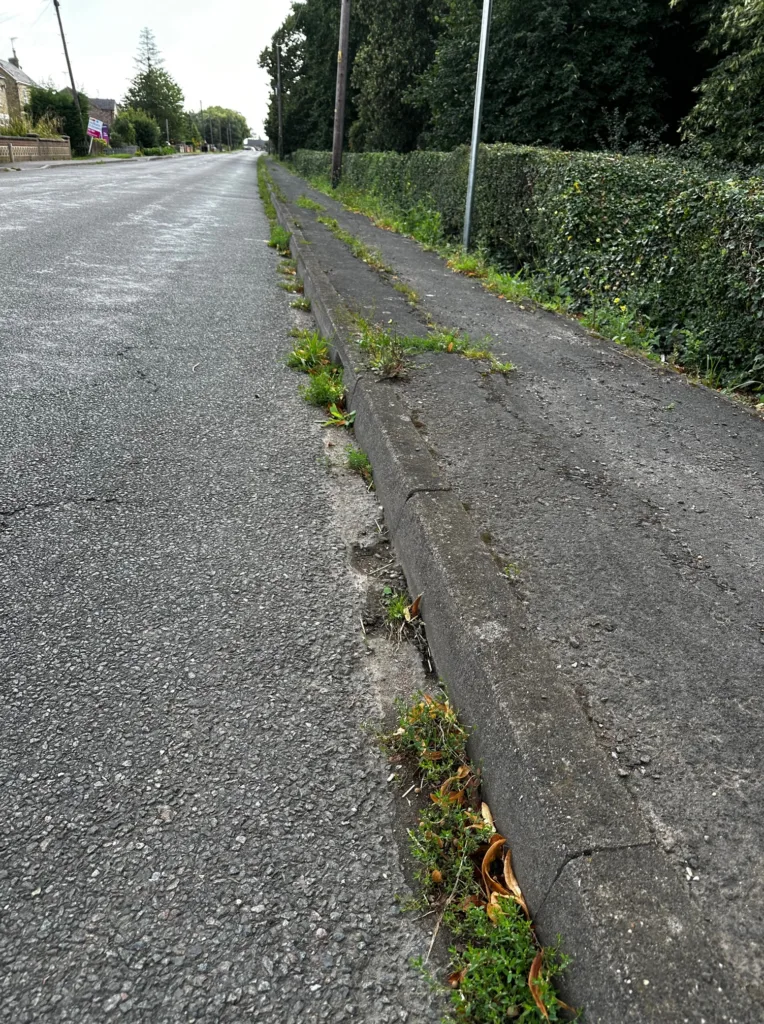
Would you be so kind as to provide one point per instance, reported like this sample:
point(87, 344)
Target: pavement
point(587, 532)
point(195, 826)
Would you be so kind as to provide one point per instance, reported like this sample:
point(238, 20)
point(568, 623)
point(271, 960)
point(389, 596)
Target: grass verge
point(498, 970)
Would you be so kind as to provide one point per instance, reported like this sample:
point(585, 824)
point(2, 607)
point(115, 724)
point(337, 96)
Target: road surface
point(194, 826)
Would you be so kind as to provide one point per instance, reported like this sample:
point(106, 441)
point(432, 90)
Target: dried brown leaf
point(491, 884)
point(485, 812)
point(436, 876)
point(533, 980)
point(512, 884)
point(455, 979)
point(414, 609)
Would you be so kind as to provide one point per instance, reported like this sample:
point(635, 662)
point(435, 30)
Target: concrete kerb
point(590, 869)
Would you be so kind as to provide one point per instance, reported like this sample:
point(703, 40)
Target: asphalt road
point(194, 826)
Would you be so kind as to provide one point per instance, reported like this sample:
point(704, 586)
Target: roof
point(16, 73)
point(103, 104)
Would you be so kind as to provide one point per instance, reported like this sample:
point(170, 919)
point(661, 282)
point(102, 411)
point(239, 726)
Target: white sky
point(210, 47)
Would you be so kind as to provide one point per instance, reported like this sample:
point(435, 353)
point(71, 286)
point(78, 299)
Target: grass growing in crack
point(310, 353)
point(396, 605)
point(279, 239)
point(325, 387)
point(288, 267)
point(386, 350)
point(498, 971)
point(296, 287)
point(360, 250)
point(411, 296)
point(310, 204)
point(358, 462)
point(303, 304)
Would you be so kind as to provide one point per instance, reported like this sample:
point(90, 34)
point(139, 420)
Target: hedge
point(679, 248)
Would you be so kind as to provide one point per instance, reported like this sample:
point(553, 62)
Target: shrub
point(648, 239)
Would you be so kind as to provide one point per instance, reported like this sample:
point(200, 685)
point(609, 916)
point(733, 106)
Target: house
point(103, 110)
point(15, 90)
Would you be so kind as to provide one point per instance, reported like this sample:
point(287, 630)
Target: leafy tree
point(308, 39)
point(59, 106)
point(399, 45)
point(215, 124)
point(566, 73)
point(727, 122)
point(146, 132)
point(154, 90)
point(122, 130)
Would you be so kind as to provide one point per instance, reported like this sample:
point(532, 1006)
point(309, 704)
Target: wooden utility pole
point(342, 83)
point(75, 94)
point(279, 103)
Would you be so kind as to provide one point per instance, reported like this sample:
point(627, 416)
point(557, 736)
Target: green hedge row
point(680, 250)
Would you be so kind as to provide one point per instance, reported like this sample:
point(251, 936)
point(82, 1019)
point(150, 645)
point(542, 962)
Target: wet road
point(194, 826)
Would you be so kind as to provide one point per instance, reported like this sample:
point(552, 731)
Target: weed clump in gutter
point(358, 462)
point(498, 971)
point(310, 204)
point(303, 304)
point(325, 387)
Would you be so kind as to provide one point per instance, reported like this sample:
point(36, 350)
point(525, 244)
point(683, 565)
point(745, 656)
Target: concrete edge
point(590, 868)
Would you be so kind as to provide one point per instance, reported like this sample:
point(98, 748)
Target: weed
point(296, 287)
point(360, 250)
point(358, 462)
point(430, 733)
point(310, 204)
point(310, 354)
point(288, 267)
point(325, 387)
point(503, 368)
point(396, 605)
point(411, 296)
point(339, 417)
point(472, 264)
point(279, 239)
point(498, 970)
point(303, 304)
point(512, 571)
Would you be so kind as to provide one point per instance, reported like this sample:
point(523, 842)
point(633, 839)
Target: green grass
point(386, 350)
point(296, 287)
point(396, 604)
point(361, 251)
point(279, 239)
point(498, 972)
point(324, 388)
point(310, 353)
point(411, 296)
point(358, 462)
point(303, 304)
point(310, 204)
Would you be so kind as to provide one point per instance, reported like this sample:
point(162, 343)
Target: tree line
point(152, 111)
point(569, 74)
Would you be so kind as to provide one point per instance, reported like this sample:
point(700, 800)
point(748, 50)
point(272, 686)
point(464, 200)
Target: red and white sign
point(95, 128)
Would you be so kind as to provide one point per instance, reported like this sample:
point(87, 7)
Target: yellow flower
point(616, 300)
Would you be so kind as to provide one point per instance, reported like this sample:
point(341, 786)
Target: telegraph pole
point(342, 82)
point(75, 95)
point(279, 102)
point(201, 121)
point(476, 117)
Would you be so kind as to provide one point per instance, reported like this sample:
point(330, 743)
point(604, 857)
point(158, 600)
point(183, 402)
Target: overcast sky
point(210, 47)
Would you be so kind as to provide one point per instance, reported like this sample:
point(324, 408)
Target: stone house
point(15, 89)
point(103, 110)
